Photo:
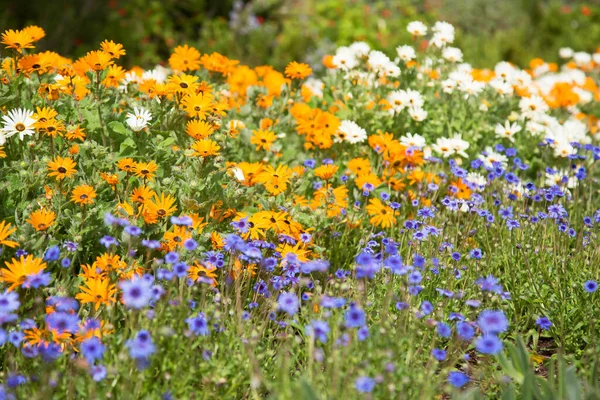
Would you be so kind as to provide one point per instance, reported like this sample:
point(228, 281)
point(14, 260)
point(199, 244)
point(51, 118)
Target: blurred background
point(278, 31)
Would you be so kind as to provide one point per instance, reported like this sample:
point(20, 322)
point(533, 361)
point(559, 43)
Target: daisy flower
point(18, 121)
point(352, 132)
point(139, 119)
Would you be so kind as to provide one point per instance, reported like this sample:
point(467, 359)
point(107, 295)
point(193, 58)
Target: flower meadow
point(396, 226)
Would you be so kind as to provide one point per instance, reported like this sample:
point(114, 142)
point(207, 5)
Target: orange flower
point(161, 206)
point(145, 170)
point(197, 105)
point(185, 58)
point(111, 179)
point(114, 50)
point(141, 194)
point(114, 76)
point(126, 164)
point(326, 172)
point(98, 60)
point(17, 40)
point(263, 139)
point(205, 148)
point(199, 129)
point(97, 291)
point(17, 272)
point(296, 70)
point(62, 168)
point(83, 195)
point(41, 219)
point(381, 214)
point(5, 231)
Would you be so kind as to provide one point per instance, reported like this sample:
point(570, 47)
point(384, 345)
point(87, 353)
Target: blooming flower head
point(139, 119)
point(18, 121)
point(137, 292)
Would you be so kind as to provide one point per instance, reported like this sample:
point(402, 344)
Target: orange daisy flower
point(5, 231)
point(83, 195)
point(296, 70)
point(41, 219)
point(62, 168)
point(17, 271)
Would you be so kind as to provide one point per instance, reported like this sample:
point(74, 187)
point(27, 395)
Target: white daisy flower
point(417, 28)
point(452, 54)
point(406, 53)
point(507, 130)
point(352, 132)
point(139, 119)
point(18, 121)
point(410, 140)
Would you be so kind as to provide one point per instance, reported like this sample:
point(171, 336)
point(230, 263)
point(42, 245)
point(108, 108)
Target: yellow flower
point(263, 139)
point(5, 231)
point(17, 271)
point(296, 70)
point(41, 219)
point(205, 148)
point(97, 291)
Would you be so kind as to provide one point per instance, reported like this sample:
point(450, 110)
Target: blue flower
point(489, 344)
point(439, 354)
point(288, 302)
point(362, 333)
point(590, 286)
point(37, 280)
point(92, 349)
point(52, 253)
point(198, 325)
point(133, 230)
point(364, 384)
point(465, 330)
point(98, 372)
point(141, 346)
point(492, 321)
point(190, 244)
point(320, 330)
point(458, 379)
point(63, 322)
point(137, 292)
point(355, 317)
point(543, 323)
point(443, 330)
point(426, 307)
point(9, 302)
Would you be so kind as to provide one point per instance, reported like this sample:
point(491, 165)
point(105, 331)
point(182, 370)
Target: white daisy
point(139, 119)
point(507, 130)
point(417, 28)
point(410, 140)
point(18, 121)
point(352, 132)
point(406, 53)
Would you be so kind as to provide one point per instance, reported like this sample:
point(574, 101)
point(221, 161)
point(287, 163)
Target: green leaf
point(118, 127)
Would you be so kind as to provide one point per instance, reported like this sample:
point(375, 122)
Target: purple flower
point(364, 384)
point(92, 349)
point(439, 354)
point(543, 323)
point(9, 302)
point(63, 322)
point(98, 372)
point(137, 292)
point(52, 253)
point(198, 325)
point(492, 321)
point(288, 302)
point(458, 379)
point(319, 329)
point(590, 286)
point(355, 317)
point(489, 344)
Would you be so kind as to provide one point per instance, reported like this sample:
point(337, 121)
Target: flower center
point(20, 127)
